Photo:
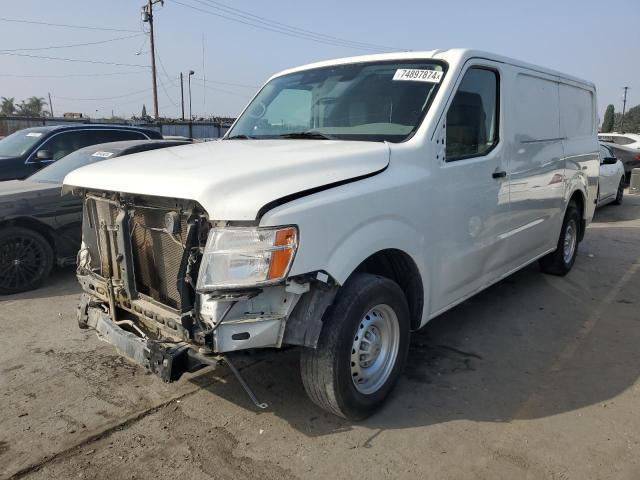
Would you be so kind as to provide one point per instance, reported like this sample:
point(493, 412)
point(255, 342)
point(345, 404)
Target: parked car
point(38, 226)
point(26, 151)
point(630, 157)
point(612, 180)
point(629, 140)
point(351, 202)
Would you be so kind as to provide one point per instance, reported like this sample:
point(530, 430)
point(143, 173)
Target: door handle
point(500, 174)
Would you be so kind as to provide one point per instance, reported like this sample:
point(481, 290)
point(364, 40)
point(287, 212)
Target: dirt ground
point(537, 377)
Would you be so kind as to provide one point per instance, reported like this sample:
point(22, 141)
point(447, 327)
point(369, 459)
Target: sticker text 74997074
point(418, 75)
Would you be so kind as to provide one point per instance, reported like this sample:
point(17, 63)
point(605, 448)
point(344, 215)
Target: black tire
point(327, 370)
point(26, 259)
point(556, 263)
point(620, 194)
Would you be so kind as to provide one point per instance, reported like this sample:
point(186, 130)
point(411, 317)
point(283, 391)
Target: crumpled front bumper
point(168, 360)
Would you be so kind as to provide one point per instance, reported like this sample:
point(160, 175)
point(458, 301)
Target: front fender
point(365, 239)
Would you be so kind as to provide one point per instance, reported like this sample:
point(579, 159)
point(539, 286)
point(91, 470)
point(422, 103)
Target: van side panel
point(536, 165)
point(578, 127)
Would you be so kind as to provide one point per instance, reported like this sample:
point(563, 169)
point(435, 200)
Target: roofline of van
point(452, 56)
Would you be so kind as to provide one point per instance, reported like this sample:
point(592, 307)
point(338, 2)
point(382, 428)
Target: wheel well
point(399, 267)
point(578, 199)
point(34, 225)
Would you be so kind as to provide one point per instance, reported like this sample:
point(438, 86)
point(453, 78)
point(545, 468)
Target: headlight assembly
point(236, 257)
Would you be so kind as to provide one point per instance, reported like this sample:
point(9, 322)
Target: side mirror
point(609, 161)
point(43, 155)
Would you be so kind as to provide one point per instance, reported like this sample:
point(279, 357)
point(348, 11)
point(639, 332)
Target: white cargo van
point(352, 201)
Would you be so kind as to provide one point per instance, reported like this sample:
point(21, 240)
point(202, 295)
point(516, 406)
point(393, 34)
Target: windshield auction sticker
point(102, 154)
point(416, 75)
point(34, 134)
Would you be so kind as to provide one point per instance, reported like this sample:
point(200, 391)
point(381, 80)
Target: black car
point(39, 227)
point(26, 151)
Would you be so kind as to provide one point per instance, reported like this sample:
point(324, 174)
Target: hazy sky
point(598, 41)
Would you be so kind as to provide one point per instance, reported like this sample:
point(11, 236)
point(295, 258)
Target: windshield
point(19, 142)
point(56, 172)
point(381, 101)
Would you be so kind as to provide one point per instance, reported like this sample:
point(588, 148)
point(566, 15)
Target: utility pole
point(624, 107)
point(182, 95)
point(147, 16)
point(50, 104)
point(204, 83)
point(191, 72)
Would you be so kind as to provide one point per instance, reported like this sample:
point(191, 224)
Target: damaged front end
point(174, 291)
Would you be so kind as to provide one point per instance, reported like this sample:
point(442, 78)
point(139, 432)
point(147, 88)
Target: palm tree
point(32, 107)
point(7, 106)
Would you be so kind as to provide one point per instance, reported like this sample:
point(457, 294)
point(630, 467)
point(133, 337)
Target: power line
point(72, 45)
point(70, 75)
point(73, 60)
point(85, 27)
point(269, 22)
point(200, 83)
point(103, 98)
point(240, 85)
point(169, 79)
point(281, 30)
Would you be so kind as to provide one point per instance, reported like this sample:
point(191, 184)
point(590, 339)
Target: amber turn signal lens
point(280, 258)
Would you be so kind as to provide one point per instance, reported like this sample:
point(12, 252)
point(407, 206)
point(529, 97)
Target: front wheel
point(361, 350)
point(560, 261)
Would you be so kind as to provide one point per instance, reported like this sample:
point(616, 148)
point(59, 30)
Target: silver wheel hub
point(570, 241)
point(375, 349)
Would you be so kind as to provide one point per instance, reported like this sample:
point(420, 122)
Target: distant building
point(72, 115)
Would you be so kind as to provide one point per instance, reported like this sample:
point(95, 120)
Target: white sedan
point(611, 186)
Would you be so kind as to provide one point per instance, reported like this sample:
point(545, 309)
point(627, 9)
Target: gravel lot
point(537, 377)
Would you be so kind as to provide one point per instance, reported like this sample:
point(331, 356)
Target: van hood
point(235, 179)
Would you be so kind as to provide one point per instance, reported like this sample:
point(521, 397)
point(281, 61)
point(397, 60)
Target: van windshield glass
point(381, 101)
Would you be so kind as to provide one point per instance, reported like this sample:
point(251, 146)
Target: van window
point(576, 111)
point(383, 101)
point(290, 109)
point(535, 109)
point(473, 115)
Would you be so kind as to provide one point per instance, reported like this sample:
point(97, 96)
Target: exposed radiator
point(157, 255)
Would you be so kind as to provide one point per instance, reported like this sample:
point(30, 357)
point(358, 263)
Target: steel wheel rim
point(22, 259)
point(570, 240)
point(375, 349)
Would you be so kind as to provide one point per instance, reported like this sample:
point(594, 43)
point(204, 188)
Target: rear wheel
point(361, 350)
point(26, 258)
point(562, 259)
point(620, 193)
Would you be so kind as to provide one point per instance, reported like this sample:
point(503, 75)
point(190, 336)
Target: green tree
point(7, 106)
point(607, 123)
point(32, 107)
point(631, 121)
point(144, 111)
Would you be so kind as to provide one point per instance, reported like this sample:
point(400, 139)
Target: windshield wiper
point(239, 137)
point(311, 135)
